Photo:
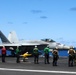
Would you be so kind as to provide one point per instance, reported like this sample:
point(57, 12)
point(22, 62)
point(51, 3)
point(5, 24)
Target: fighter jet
point(13, 40)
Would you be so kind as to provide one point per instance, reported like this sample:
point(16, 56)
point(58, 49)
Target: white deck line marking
point(40, 71)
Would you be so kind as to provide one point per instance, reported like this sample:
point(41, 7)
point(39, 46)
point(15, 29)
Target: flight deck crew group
point(71, 57)
point(3, 54)
point(46, 55)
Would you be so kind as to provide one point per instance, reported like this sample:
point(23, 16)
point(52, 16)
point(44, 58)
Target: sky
point(38, 19)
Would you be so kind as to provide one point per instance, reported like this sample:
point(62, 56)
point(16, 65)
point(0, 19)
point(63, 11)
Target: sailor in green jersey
point(36, 55)
point(18, 55)
point(46, 53)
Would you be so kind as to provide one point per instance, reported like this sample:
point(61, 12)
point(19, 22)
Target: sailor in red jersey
point(3, 53)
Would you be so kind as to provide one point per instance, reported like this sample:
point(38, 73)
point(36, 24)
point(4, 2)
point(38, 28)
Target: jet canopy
point(48, 40)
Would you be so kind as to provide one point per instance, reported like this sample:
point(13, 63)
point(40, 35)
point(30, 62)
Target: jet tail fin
point(3, 38)
point(13, 37)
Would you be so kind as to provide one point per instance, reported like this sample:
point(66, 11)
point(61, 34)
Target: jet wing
point(30, 43)
point(9, 45)
point(23, 44)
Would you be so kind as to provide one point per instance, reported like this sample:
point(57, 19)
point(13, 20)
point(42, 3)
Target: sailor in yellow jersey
point(25, 55)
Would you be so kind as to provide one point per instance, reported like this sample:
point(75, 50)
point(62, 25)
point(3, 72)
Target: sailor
point(55, 56)
point(18, 54)
point(46, 54)
point(3, 54)
point(25, 55)
point(36, 55)
point(71, 56)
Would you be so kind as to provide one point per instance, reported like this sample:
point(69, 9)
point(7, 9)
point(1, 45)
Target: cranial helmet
point(35, 46)
point(47, 45)
point(71, 47)
point(3, 47)
point(27, 52)
point(17, 46)
point(56, 48)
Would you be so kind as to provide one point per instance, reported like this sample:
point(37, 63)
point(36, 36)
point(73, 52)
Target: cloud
point(61, 38)
point(36, 11)
point(73, 9)
point(24, 22)
point(10, 22)
point(43, 17)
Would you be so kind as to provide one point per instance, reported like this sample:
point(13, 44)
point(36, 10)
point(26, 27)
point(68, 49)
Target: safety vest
point(17, 51)
point(71, 51)
point(35, 50)
point(55, 52)
point(3, 50)
point(46, 50)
